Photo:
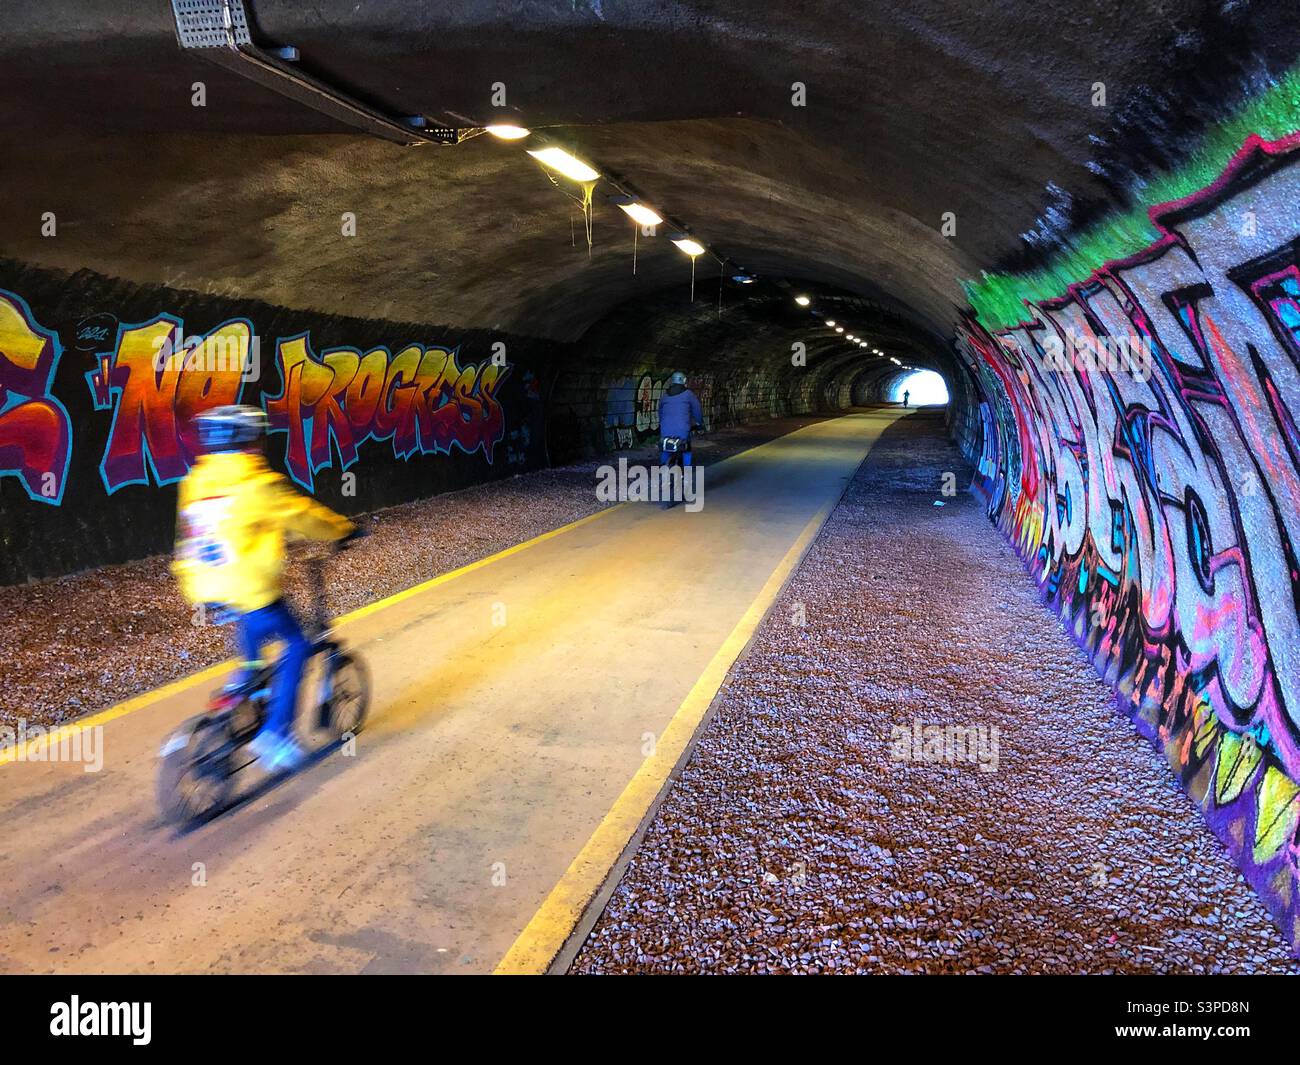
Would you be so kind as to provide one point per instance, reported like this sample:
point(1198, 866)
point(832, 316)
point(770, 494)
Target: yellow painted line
point(139, 702)
point(450, 575)
point(544, 936)
point(144, 699)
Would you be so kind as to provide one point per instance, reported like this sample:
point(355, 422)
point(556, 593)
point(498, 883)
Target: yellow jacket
point(231, 519)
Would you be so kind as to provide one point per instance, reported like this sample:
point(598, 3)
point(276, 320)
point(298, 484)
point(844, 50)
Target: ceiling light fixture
point(641, 214)
point(803, 301)
point(839, 329)
point(694, 249)
point(507, 132)
point(830, 324)
point(563, 163)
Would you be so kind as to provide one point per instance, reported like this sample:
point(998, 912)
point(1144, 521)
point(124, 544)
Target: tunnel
point(972, 644)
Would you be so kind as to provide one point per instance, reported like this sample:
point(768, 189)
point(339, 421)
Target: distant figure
point(906, 394)
point(679, 415)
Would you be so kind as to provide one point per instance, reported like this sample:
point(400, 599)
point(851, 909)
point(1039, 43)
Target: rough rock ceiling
point(912, 111)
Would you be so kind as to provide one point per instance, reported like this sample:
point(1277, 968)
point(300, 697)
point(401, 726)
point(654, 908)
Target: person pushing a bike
point(232, 515)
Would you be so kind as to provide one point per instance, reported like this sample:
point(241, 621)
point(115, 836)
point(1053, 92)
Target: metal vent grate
point(211, 23)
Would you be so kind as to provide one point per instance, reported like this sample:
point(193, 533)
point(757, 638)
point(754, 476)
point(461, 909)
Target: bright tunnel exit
point(923, 388)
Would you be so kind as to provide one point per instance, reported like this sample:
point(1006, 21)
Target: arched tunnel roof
point(907, 119)
point(1084, 216)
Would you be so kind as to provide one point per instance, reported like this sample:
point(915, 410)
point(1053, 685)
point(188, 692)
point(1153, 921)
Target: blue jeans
point(258, 628)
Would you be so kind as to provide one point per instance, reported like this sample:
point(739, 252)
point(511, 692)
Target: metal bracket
point(219, 31)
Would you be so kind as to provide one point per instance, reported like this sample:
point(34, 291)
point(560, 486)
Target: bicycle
point(200, 760)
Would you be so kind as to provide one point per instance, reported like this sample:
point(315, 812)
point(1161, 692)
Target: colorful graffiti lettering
point(420, 398)
point(1161, 512)
point(155, 380)
point(35, 430)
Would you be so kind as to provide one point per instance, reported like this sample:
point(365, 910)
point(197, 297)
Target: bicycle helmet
point(230, 428)
point(677, 378)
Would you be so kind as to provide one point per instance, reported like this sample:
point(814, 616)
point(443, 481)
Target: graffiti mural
point(100, 383)
point(632, 407)
point(155, 380)
point(35, 430)
point(1157, 501)
point(421, 399)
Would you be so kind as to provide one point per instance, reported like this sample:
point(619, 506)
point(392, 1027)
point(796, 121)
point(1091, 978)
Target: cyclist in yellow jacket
point(232, 516)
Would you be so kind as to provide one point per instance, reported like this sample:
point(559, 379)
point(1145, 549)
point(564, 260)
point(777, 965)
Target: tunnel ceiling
point(911, 112)
point(756, 327)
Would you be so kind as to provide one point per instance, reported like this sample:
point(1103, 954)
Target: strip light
point(641, 214)
point(508, 133)
point(563, 163)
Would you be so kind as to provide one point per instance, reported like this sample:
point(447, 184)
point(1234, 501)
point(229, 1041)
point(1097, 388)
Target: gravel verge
point(77, 644)
point(795, 840)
